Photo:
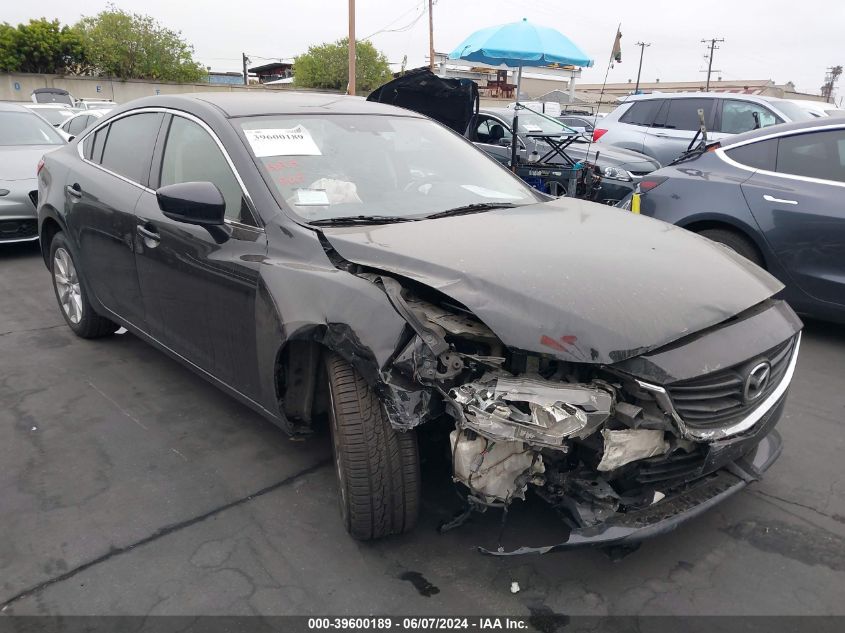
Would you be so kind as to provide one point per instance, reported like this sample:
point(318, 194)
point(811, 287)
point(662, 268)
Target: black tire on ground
point(90, 324)
point(736, 242)
point(377, 466)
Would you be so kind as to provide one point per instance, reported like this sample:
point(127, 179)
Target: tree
point(135, 46)
point(41, 46)
point(326, 66)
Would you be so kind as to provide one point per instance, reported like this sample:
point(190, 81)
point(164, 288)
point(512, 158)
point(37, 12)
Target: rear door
point(199, 284)
point(629, 132)
point(799, 208)
point(675, 126)
point(100, 195)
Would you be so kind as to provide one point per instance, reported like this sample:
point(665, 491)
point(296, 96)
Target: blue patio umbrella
point(519, 44)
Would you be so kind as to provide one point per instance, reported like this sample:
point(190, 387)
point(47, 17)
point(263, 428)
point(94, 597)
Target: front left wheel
point(377, 467)
point(70, 293)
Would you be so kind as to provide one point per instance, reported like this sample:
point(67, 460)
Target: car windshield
point(56, 116)
point(532, 123)
point(794, 111)
point(346, 166)
point(24, 128)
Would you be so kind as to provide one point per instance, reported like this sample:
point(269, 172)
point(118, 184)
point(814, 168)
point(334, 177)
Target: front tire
point(71, 295)
point(737, 243)
point(377, 466)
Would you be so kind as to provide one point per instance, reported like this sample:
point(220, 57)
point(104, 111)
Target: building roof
point(266, 68)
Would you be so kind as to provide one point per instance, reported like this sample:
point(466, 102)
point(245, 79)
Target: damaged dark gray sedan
point(315, 254)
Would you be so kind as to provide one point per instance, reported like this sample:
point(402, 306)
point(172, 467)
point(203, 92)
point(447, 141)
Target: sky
point(775, 39)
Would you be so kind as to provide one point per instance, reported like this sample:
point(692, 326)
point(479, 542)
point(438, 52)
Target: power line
point(386, 29)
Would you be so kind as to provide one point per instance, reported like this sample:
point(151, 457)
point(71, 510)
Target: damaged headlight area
point(564, 439)
point(605, 453)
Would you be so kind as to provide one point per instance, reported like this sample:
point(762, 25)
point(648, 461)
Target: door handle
point(148, 234)
point(661, 135)
point(769, 198)
point(74, 190)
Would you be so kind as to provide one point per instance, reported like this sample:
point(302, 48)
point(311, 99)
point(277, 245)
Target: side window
point(191, 155)
point(77, 124)
point(738, 116)
point(99, 143)
point(759, 155)
point(642, 112)
point(129, 145)
point(816, 155)
point(682, 114)
point(491, 131)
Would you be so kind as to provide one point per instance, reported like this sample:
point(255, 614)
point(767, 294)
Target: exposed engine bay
point(585, 438)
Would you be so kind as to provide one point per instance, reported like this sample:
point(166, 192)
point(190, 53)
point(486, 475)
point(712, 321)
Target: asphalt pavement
point(128, 485)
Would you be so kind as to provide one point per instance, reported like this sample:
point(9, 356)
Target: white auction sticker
point(312, 198)
point(294, 141)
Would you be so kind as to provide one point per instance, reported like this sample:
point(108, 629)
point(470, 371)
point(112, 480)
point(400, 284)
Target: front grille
point(675, 467)
point(717, 399)
point(18, 229)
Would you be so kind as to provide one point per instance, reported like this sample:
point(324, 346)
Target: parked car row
point(319, 256)
point(662, 125)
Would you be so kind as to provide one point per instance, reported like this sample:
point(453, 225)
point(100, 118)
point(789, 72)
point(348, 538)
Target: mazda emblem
point(757, 381)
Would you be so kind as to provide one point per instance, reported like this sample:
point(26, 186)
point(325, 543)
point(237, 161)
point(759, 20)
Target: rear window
point(129, 145)
point(759, 155)
point(642, 112)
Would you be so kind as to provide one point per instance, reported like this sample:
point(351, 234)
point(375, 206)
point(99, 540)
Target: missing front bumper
point(666, 515)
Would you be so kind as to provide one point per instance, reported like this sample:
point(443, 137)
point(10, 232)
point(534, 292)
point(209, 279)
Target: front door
point(799, 209)
point(199, 285)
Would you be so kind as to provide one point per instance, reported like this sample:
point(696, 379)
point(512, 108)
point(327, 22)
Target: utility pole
point(351, 88)
point(830, 79)
point(713, 47)
point(430, 36)
point(643, 46)
point(245, 61)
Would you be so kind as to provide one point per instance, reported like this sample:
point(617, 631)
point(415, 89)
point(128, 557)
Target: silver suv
point(662, 125)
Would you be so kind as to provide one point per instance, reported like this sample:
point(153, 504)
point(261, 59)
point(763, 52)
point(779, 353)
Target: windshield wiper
point(471, 208)
point(353, 220)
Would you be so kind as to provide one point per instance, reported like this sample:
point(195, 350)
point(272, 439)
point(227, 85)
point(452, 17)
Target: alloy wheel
point(67, 285)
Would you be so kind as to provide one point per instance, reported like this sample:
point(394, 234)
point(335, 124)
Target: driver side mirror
point(198, 203)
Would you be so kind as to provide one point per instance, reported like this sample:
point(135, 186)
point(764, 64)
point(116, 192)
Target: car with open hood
point(320, 257)
point(455, 103)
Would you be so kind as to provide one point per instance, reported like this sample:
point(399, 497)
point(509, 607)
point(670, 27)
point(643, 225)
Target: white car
point(818, 108)
point(54, 113)
point(81, 120)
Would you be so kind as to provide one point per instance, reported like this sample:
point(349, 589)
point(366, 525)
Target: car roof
point(696, 94)
point(49, 106)
point(242, 104)
point(9, 106)
point(782, 128)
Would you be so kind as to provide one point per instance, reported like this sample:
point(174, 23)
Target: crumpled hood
point(19, 162)
point(571, 278)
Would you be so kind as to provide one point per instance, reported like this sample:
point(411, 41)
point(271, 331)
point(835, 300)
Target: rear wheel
point(70, 293)
point(377, 466)
point(736, 242)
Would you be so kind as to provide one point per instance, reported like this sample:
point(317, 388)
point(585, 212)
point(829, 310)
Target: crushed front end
point(621, 451)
